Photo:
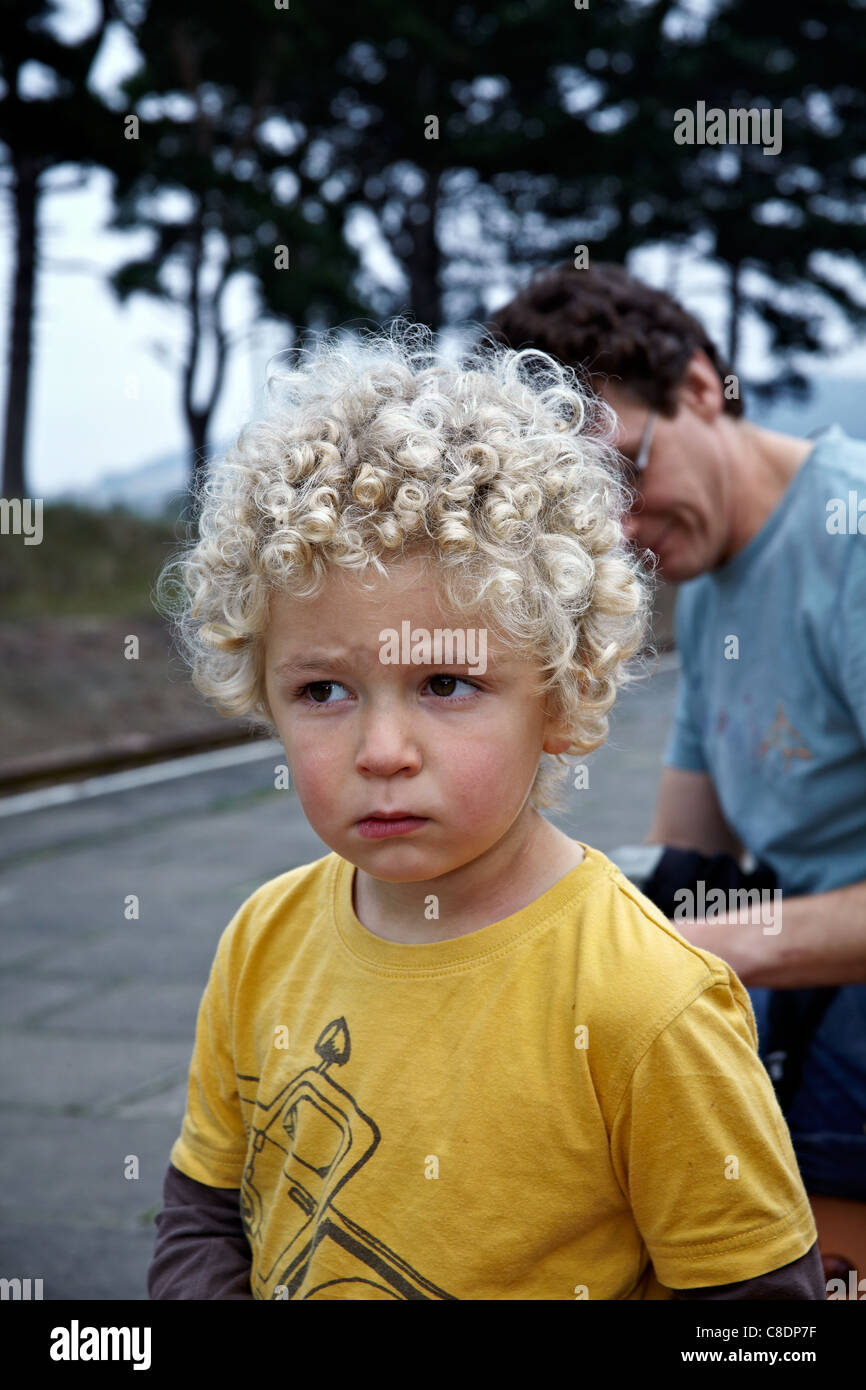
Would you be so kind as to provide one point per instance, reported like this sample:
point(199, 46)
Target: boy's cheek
point(322, 803)
point(323, 775)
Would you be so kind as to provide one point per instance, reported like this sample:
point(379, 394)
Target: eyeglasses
point(646, 442)
point(634, 467)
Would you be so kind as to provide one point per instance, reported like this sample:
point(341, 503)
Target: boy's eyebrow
point(315, 661)
point(311, 661)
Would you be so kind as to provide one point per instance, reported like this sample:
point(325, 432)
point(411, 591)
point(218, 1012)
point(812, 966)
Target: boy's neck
point(474, 896)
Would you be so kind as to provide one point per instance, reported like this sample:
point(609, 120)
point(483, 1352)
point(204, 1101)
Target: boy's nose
point(387, 745)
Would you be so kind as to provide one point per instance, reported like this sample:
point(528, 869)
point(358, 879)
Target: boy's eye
point(449, 680)
point(320, 685)
point(327, 686)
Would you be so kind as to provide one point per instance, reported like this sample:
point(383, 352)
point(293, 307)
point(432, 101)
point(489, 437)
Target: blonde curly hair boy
point(379, 453)
point(459, 1056)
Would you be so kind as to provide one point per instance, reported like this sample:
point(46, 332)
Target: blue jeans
point(827, 1116)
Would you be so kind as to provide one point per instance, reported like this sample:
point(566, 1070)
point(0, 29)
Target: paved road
point(97, 1012)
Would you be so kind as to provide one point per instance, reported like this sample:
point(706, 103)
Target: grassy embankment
point(66, 609)
point(89, 564)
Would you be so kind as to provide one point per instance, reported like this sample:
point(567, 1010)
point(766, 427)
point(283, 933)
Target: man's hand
point(793, 943)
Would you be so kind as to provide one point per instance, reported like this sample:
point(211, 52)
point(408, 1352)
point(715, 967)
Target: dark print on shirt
point(320, 1137)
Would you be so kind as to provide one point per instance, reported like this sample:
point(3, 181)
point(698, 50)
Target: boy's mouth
point(382, 823)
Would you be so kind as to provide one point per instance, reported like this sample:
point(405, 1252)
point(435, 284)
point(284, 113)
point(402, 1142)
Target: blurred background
point(188, 190)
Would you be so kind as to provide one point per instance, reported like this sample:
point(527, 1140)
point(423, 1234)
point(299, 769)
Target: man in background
point(764, 779)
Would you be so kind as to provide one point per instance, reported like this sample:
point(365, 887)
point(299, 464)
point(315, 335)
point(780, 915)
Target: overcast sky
point(101, 401)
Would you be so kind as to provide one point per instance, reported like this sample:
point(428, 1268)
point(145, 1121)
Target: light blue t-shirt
point(772, 692)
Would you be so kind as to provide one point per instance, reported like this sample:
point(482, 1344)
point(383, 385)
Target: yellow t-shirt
point(564, 1104)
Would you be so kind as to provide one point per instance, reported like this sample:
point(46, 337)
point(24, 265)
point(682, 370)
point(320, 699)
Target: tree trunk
point(204, 316)
point(736, 306)
point(20, 325)
point(425, 259)
point(197, 424)
point(196, 420)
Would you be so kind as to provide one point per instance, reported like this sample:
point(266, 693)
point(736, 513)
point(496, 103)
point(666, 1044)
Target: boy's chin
point(422, 871)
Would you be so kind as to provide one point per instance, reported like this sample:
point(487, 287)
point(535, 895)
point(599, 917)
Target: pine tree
point(49, 118)
point(218, 172)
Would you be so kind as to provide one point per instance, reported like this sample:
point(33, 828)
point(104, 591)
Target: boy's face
point(441, 741)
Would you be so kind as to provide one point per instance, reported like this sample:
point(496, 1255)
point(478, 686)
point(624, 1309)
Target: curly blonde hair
point(500, 469)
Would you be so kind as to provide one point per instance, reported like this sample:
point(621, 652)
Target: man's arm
point(201, 1250)
point(688, 815)
point(805, 942)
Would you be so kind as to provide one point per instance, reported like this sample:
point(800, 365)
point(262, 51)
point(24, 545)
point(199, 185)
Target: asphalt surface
point(97, 1011)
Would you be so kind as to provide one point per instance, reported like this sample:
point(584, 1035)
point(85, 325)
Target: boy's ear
point(557, 743)
point(557, 738)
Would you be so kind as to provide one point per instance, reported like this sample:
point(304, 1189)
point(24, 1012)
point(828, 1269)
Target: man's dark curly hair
point(605, 322)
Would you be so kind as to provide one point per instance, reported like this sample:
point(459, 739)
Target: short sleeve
point(850, 631)
point(684, 748)
point(702, 1149)
point(213, 1139)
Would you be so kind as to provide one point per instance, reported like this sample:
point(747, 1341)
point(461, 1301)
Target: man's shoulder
point(835, 467)
point(691, 600)
point(836, 455)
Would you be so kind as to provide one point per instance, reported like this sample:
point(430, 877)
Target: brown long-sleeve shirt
point(202, 1252)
